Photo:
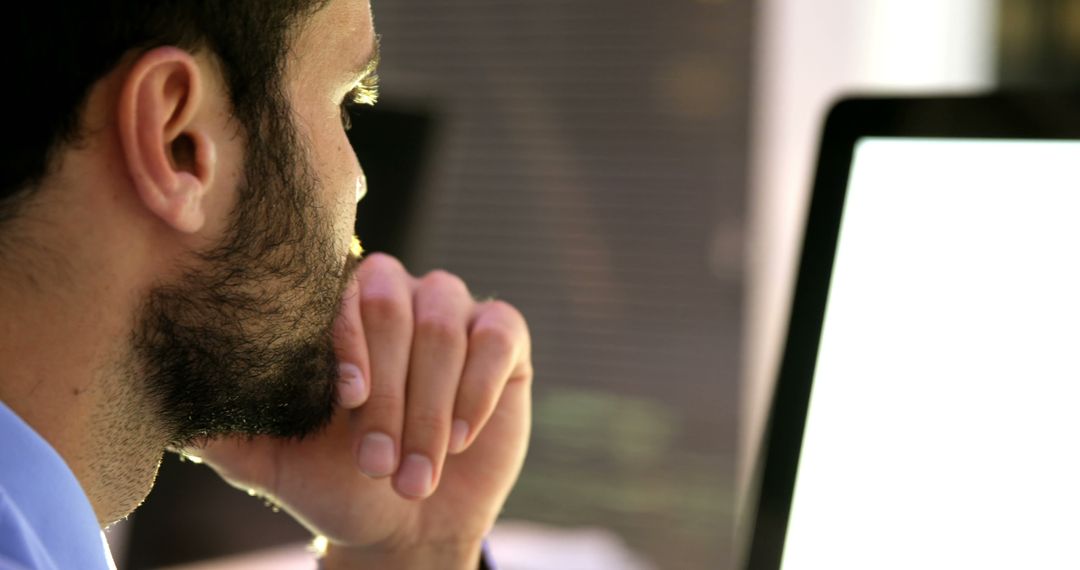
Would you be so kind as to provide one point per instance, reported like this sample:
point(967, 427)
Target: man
point(176, 210)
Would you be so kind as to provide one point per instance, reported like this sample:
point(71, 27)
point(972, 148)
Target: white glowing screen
point(944, 422)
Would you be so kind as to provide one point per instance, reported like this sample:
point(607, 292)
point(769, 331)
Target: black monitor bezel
point(1039, 116)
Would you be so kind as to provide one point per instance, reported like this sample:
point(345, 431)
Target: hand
point(440, 430)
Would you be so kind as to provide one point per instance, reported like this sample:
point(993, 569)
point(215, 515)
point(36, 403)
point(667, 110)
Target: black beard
point(242, 342)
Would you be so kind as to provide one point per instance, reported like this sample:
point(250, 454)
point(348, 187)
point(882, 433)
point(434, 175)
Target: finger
point(350, 347)
point(499, 352)
point(387, 319)
point(242, 461)
point(442, 308)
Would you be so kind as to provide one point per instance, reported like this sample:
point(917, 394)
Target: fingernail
point(414, 479)
point(350, 385)
point(459, 431)
point(376, 455)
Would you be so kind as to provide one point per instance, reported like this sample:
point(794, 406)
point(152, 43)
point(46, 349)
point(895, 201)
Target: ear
point(169, 156)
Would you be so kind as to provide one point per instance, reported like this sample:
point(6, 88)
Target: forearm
point(456, 556)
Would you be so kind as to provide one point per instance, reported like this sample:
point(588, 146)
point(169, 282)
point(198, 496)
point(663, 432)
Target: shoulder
point(20, 546)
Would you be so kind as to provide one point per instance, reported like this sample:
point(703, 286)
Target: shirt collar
point(49, 496)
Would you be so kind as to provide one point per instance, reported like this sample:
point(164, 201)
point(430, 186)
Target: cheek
point(339, 172)
point(334, 164)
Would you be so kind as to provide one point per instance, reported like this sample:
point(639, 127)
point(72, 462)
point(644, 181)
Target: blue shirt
point(46, 520)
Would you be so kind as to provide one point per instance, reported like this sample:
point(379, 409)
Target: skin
point(152, 182)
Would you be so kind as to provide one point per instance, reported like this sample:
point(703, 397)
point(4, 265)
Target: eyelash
point(365, 92)
point(346, 119)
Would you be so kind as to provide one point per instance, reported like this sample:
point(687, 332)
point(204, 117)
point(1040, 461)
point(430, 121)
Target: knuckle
point(505, 312)
point(381, 262)
point(493, 336)
point(443, 280)
point(441, 329)
point(383, 306)
point(525, 375)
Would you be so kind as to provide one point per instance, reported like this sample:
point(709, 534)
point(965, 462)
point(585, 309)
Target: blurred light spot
point(319, 545)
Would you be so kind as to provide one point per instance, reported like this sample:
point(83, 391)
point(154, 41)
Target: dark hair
point(55, 50)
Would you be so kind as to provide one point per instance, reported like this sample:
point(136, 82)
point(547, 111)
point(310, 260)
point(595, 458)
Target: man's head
point(185, 162)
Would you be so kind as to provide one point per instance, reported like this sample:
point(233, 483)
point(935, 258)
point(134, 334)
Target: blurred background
point(633, 176)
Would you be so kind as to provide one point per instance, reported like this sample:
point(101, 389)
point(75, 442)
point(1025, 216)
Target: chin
point(127, 489)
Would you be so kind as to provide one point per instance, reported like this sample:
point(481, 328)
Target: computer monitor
point(927, 409)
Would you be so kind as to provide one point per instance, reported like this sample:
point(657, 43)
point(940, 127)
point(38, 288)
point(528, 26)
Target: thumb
point(350, 346)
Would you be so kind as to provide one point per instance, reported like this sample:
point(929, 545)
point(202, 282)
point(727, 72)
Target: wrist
point(442, 555)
